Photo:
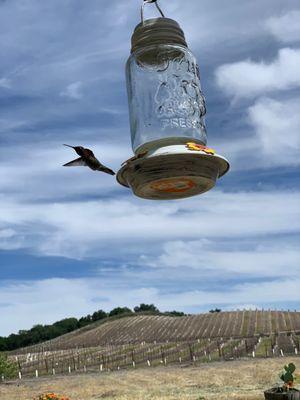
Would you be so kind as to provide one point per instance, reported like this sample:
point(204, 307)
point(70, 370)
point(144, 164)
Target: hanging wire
point(148, 2)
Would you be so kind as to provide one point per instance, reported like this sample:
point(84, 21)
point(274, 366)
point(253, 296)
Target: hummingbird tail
point(107, 170)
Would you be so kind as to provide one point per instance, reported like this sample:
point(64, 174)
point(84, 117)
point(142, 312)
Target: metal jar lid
point(157, 31)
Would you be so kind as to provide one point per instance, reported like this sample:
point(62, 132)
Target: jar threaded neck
point(157, 31)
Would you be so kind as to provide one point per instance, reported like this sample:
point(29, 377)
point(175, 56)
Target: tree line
point(40, 333)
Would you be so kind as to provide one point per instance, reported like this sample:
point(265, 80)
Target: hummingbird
point(87, 159)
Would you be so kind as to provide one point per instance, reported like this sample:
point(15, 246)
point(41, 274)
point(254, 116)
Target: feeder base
point(172, 172)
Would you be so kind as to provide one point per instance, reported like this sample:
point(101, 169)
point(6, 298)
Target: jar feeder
point(167, 108)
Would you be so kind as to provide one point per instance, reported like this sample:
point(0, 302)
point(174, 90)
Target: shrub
point(8, 368)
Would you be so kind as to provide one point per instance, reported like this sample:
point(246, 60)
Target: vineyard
point(151, 340)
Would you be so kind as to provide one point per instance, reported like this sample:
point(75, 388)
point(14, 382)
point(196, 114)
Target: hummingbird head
point(78, 149)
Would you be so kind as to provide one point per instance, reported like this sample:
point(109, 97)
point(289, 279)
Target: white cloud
point(243, 307)
point(29, 171)
point(5, 83)
point(61, 229)
point(285, 28)
point(6, 233)
point(206, 26)
point(24, 304)
point(286, 290)
point(34, 302)
point(205, 256)
point(36, 211)
point(277, 127)
point(249, 78)
point(73, 91)
point(10, 239)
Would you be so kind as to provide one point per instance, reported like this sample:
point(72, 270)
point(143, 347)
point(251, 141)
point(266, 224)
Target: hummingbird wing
point(79, 162)
point(88, 153)
point(103, 168)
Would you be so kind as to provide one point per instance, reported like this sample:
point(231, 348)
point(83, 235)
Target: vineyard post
point(192, 356)
point(36, 373)
point(208, 350)
point(84, 356)
point(219, 349)
point(46, 365)
point(132, 357)
point(19, 367)
point(246, 346)
point(2, 378)
point(149, 358)
point(74, 361)
point(100, 363)
point(163, 357)
point(297, 343)
point(266, 349)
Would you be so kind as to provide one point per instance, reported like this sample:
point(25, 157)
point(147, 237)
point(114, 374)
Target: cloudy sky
point(73, 241)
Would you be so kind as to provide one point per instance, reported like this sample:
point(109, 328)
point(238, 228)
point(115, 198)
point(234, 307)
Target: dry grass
point(239, 380)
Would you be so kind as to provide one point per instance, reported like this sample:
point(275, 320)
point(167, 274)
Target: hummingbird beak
point(69, 146)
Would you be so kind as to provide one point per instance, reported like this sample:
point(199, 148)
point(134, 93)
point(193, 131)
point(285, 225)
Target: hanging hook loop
point(148, 2)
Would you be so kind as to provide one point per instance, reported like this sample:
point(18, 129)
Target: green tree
point(83, 321)
point(119, 311)
point(8, 368)
point(100, 314)
point(66, 325)
point(3, 344)
point(146, 308)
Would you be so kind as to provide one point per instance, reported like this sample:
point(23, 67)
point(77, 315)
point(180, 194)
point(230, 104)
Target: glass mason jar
point(166, 104)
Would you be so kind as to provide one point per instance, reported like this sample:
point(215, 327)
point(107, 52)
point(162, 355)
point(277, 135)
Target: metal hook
point(148, 2)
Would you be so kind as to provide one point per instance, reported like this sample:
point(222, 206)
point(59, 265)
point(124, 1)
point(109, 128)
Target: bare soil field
point(239, 380)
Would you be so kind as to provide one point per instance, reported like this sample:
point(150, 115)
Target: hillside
point(153, 340)
point(162, 329)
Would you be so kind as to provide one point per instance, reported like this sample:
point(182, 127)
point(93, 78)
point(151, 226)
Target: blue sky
point(73, 241)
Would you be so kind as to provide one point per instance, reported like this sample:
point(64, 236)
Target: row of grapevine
point(159, 328)
point(108, 358)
